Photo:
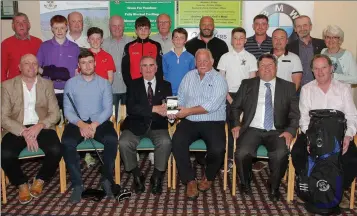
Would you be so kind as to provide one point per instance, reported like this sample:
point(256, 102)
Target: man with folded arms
point(202, 104)
point(29, 112)
point(146, 118)
point(92, 97)
point(271, 117)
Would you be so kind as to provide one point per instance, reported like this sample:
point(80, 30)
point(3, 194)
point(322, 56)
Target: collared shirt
point(165, 42)
point(12, 49)
point(30, 115)
point(59, 55)
point(306, 53)
point(116, 49)
point(176, 67)
point(92, 99)
point(103, 63)
point(288, 64)
point(338, 97)
point(209, 93)
point(27, 37)
point(236, 67)
point(258, 120)
point(82, 41)
point(256, 49)
point(153, 85)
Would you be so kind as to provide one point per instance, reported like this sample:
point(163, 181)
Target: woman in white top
point(345, 67)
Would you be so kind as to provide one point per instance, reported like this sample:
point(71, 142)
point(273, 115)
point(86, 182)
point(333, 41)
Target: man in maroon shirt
point(14, 47)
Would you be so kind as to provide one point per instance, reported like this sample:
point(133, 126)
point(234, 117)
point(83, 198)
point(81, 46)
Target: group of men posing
point(213, 86)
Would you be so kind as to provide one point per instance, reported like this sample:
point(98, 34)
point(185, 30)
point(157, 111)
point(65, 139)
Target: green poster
point(131, 10)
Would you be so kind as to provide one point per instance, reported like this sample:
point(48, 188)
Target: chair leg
point(3, 187)
point(352, 195)
point(117, 168)
point(234, 180)
point(225, 166)
point(173, 173)
point(291, 181)
point(169, 175)
point(63, 183)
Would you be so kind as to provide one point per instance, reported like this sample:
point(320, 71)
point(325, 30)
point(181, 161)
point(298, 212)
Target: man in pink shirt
point(327, 93)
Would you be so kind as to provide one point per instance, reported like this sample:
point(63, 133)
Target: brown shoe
point(345, 203)
point(36, 188)
point(204, 185)
point(191, 190)
point(24, 194)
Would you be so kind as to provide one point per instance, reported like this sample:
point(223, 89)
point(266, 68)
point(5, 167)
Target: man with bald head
point(29, 112)
point(75, 23)
point(202, 104)
point(10, 52)
point(114, 45)
point(163, 22)
point(207, 40)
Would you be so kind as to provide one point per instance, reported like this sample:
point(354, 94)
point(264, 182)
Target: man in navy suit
point(271, 117)
point(146, 111)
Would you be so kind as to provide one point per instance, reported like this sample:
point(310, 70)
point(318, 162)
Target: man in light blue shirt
point(92, 97)
point(202, 104)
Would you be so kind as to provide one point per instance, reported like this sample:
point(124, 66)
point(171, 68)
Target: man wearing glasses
point(163, 22)
point(142, 46)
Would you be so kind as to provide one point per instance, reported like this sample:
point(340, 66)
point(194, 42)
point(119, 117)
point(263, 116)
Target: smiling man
point(75, 33)
point(163, 22)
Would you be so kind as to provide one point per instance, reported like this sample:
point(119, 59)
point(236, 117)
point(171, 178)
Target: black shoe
point(274, 194)
point(139, 183)
point(246, 189)
point(156, 185)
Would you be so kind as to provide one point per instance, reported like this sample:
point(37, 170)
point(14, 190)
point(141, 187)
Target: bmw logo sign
point(281, 15)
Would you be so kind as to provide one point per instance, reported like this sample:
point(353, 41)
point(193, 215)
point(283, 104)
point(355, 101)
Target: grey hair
point(335, 31)
point(302, 16)
point(157, 18)
point(204, 50)
point(19, 14)
point(147, 57)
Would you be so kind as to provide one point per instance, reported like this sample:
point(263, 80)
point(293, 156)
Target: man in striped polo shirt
point(260, 42)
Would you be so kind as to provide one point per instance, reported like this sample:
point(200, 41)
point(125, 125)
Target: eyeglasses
point(163, 22)
point(332, 38)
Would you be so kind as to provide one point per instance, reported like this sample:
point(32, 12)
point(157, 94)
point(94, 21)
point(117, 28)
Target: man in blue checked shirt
point(202, 104)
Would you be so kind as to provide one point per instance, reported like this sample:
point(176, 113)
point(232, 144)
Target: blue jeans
point(105, 134)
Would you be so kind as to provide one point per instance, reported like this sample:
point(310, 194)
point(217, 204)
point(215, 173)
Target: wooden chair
point(200, 146)
point(144, 145)
point(262, 152)
point(25, 154)
point(86, 145)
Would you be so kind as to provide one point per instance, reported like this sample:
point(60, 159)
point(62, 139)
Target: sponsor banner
point(280, 14)
point(225, 13)
point(95, 14)
point(221, 33)
point(131, 10)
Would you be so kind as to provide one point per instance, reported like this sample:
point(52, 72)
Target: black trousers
point(12, 145)
point(212, 133)
point(247, 145)
point(104, 134)
point(299, 156)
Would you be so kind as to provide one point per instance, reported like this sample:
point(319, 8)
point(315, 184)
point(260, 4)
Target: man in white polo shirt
point(235, 66)
point(289, 64)
point(75, 23)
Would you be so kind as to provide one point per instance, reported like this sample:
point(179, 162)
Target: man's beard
point(206, 36)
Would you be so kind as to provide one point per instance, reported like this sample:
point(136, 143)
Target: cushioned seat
point(26, 153)
point(86, 145)
point(262, 152)
point(198, 145)
point(145, 143)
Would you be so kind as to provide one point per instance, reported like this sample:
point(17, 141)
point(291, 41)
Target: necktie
point(150, 93)
point(269, 116)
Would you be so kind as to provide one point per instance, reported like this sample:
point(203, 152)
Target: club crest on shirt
point(243, 62)
point(104, 60)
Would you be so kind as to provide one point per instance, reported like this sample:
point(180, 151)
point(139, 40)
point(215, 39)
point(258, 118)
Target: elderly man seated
point(327, 93)
point(29, 112)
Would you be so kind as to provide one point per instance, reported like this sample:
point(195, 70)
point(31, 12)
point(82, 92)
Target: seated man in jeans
point(29, 111)
point(92, 97)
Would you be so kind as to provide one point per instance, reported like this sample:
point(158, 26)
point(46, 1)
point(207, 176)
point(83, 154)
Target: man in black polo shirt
point(260, 42)
point(207, 40)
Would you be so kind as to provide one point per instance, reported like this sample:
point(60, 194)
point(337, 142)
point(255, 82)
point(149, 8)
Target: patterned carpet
point(170, 202)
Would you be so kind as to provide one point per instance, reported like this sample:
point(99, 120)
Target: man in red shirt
point(104, 63)
point(14, 47)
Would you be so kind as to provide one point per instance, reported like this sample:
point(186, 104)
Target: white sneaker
point(151, 158)
point(90, 161)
